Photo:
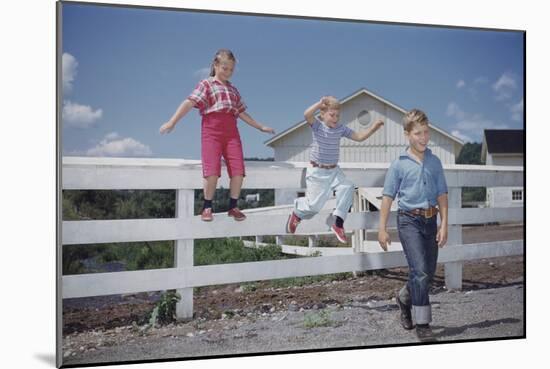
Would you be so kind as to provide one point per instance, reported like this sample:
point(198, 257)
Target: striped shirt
point(211, 96)
point(325, 148)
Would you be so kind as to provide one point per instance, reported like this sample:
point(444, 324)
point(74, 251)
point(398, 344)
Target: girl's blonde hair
point(414, 116)
point(332, 103)
point(221, 55)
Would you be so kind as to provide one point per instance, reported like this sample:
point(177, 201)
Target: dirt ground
point(108, 312)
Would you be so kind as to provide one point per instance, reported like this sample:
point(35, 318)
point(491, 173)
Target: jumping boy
point(324, 176)
point(417, 178)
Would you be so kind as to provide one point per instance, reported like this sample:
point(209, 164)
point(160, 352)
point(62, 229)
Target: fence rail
point(184, 176)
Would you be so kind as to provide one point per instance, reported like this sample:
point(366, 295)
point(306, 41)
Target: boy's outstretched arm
point(183, 109)
point(443, 202)
point(363, 135)
point(251, 122)
point(383, 236)
point(309, 114)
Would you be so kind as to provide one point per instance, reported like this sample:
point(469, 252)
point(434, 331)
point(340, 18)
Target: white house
point(358, 111)
point(251, 198)
point(504, 147)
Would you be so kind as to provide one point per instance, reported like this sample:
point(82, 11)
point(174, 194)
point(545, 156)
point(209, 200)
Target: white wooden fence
point(185, 176)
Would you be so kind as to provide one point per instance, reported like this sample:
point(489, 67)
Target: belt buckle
point(429, 213)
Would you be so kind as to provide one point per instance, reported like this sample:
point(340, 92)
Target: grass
point(320, 319)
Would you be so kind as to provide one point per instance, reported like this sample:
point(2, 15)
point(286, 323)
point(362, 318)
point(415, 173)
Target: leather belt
point(426, 213)
point(323, 166)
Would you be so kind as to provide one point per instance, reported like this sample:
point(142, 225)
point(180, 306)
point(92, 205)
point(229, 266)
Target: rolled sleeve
point(241, 107)
point(441, 182)
point(392, 181)
point(200, 95)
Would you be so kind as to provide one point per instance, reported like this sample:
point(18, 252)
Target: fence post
point(183, 252)
point(453, 271)
point(356, 236)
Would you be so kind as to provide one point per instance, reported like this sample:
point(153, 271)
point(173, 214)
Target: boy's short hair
point(333, 103)
point(414, 116)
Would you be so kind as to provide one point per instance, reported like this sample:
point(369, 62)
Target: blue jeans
point(417, 235)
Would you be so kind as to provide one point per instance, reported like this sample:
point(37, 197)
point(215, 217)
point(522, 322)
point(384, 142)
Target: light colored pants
point(320, 185)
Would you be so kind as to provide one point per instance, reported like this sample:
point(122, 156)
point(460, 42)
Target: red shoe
point(206, 215)
point(340, 233)
point(236, 214)
point(292, 223)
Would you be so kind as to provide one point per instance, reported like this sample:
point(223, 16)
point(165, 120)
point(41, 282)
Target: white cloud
point(462, 136)
point(69, 65)
point(460, 84)
point(453, 110)
point(113, 145)
point(517, 111)
point(504, 87)
point(80, 116)
point(469, 127)
point(112, 136)
point(481, 80)
point(202, 73)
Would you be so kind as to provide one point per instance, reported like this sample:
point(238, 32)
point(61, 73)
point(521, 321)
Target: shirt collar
point(214, 80)
point(326, 125)
point(405, 154)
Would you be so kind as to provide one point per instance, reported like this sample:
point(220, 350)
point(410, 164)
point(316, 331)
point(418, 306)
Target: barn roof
point(361, 91)
point(505, 141)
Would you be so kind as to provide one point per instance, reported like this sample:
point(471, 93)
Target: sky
point(125, 70)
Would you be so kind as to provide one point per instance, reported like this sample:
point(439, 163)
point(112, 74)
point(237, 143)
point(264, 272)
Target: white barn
point(503, 147)
point(358, 111)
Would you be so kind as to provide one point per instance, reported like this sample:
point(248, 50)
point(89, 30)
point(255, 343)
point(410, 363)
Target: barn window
point(301, 194)
point(517, 195)
point(363, 117)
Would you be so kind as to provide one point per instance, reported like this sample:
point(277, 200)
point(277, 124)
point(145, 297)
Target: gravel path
point(476, 314)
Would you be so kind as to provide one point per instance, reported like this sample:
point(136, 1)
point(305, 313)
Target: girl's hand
point(266, 129)
point(166, 128)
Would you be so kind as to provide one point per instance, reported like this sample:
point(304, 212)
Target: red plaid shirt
point(211, 96)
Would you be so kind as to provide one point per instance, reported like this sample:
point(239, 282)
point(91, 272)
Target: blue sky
point(126, 70)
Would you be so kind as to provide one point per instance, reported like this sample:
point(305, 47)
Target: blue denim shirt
point(418, 185)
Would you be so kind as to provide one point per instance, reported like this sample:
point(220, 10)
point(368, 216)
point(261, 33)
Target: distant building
point(251, 198)
point(504, 147)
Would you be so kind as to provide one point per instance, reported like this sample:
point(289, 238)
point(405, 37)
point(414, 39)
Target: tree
point(471, 154)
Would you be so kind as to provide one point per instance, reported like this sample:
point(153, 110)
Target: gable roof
point(353, 96)
point(504, 141)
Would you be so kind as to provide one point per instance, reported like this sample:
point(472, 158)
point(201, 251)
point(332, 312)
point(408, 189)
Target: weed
point(320, 319)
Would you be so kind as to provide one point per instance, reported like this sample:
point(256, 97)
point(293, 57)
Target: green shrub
point(231, 250)
point(165, 309)
point(321, 319)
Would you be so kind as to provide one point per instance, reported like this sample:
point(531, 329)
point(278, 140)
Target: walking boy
point(324, 176)
point(417, 178)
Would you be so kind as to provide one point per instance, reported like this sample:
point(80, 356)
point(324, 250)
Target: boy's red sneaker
point(292, 223)
point(236, 214)
point(206, 215)
point(340, 233)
